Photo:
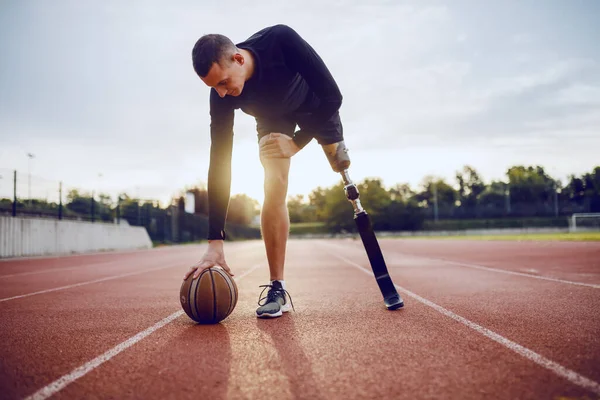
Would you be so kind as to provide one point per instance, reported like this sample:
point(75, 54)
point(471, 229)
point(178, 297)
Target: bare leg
point(274, 218)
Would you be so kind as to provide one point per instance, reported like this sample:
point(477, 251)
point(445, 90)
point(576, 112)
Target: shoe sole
point(284, 308)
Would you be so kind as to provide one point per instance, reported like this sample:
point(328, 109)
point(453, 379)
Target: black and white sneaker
point(276, 302)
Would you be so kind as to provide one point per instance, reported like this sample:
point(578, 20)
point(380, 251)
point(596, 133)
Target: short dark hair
point(209, 49)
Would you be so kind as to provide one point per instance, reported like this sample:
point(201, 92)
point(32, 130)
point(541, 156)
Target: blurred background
point(458, 114)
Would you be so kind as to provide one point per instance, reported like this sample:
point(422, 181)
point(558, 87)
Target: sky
point(104, 96)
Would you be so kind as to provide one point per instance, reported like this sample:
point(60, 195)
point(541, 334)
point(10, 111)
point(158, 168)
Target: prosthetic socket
point(337, 155)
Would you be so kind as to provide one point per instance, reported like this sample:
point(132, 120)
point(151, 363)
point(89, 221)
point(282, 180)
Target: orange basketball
point(210, 298)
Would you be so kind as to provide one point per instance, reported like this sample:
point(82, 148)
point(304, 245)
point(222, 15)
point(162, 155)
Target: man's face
point(227, 77)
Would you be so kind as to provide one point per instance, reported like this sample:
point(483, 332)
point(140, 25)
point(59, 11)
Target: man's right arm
point(219, 170)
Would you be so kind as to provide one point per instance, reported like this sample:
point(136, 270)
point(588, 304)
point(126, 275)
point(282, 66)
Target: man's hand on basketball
point(214, 255)
point(277, 145)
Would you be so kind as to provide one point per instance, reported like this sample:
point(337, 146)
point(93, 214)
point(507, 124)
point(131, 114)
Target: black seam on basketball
point(195, 302)
point(214, 293)
point(231, 294)
point(191, 301)
point(231, 291)
point(221, 274)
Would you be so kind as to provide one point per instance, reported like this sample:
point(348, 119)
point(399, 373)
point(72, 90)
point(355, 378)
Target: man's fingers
point(271, 147)
point(264, 140)
point(274, 150)
point(200, 269)
point(197, 269)
point(226, 268)
point(272, 154)
point(267, 143)
point(187, 274)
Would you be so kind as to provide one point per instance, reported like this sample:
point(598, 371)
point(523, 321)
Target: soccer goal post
point(584, 221)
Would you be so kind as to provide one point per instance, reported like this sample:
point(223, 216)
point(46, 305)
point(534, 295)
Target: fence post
point(118, 209)
point(435, 202)
point(93, 216)
point(60, 200)
point(14, 208)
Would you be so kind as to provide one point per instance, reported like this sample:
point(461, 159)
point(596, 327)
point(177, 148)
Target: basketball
point(210, 298)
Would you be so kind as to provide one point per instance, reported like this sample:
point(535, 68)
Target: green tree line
point(528, 191)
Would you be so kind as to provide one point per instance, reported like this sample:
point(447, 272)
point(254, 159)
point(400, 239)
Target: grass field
point(575, 236)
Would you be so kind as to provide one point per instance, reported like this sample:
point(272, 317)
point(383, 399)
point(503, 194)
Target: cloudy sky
point(104, 96)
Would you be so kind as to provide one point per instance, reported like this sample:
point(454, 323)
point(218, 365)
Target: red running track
point(493, 320)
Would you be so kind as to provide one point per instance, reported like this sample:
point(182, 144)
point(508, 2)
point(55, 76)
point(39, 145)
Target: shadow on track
point(296, 365)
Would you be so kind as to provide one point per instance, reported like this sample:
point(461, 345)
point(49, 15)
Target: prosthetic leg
point(337, 154)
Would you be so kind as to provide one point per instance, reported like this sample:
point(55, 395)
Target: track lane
point(15, 265)
point(571, 261)
point(46, 278)
point(22, 287)
point(46, 336)
point(556, 320)
point(341, 343)
point(43, 264)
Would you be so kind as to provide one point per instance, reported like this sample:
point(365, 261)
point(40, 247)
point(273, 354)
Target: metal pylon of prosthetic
point(337, 155)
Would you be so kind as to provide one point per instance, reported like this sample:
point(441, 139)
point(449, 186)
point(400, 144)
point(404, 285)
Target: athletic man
point(278, 78)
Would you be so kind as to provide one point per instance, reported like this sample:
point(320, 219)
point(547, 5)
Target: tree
point(401, 216)
point(300, 210)
point(493, 200)
point(470, 186)
point(78, 203)
point(432, 188)
point(592, 186)
point(336, 211)
point(575, 189)
point(584, 191)
point(529, 184)
point(374, 196)
point(394, 209)
point(317, 200)
point(402, 192)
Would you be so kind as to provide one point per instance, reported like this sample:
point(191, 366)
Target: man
point(278, 78)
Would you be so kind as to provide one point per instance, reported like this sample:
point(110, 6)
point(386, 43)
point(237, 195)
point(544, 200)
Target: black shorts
point(330, 132)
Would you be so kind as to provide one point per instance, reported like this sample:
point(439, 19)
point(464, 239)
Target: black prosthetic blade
point(391, 297)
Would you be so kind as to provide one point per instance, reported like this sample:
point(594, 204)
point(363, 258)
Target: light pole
point(556, 193)
point(507, 197)
point(31, 156)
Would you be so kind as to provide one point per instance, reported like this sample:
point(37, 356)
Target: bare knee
point(276, 180)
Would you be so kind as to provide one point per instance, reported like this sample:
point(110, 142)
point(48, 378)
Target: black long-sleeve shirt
point(289, 79)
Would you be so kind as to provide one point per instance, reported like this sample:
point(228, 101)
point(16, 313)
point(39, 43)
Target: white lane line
point(84, 254)
point(542, 361)
point(103, 263)
point(503, 271)
point(86, 283)
point(46, 271)
point(77, 373)
point(482, 267)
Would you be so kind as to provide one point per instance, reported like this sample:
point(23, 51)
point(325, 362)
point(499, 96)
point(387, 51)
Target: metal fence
point(22, 194)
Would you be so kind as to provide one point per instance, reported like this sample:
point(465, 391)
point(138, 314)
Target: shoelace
point(272, 294)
